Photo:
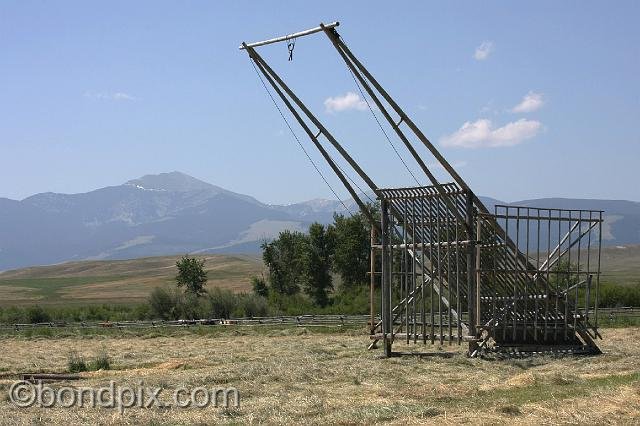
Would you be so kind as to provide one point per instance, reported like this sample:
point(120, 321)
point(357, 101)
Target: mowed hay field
point(116, 281)
point(299, 375)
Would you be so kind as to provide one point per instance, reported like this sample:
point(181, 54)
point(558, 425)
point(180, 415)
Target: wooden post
point(372, 277)
point(478, 274)
point(471, 272)
point(387, 329)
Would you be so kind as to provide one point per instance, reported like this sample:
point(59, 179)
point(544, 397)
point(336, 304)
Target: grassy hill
point(621, 264)
point(116, 281)
point(131, 281)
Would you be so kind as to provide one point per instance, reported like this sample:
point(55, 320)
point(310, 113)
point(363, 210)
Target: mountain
point(621, 218)
point(153, 215)
point(173, 213)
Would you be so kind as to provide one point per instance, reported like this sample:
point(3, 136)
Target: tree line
point(323, 270)
point(322, 264)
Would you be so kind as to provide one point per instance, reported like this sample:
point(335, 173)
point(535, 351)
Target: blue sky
point(527, 100)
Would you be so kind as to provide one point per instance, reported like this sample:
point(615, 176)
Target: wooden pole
point(290, 36)
point(478, 273)
point(471, 271)
point(373, 281)
point(386, 281)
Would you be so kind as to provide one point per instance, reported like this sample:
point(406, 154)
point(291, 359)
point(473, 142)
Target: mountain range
point(173, 213)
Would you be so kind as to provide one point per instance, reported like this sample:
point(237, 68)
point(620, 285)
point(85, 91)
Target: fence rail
point(297, 320)
point(294, 320)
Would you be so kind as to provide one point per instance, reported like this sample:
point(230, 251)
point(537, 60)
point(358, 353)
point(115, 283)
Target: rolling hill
point(116, 281)
point(131, 281)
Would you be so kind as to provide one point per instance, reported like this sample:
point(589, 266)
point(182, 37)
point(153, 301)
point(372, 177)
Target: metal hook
point(291, 44)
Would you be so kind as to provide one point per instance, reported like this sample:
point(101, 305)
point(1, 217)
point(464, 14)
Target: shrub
point(221, 303)
point(101, 361)
point(260, 287)
point(615, 295)
point(142, 311)
point(189, 306)
point(295, 304)
point(251, 305)
point(351, 301)
point(36, 314)
point(163, 304)
point(76, 363)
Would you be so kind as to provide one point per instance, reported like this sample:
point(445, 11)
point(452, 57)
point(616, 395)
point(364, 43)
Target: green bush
point(221, 303)
point(616, 295)
point(352, 301)
point(76, 363)
point(251, 305)
point(295, 304)
point(36, 314)
point(164, 304)
point(101, 361)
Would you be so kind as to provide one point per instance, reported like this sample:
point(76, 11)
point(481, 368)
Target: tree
point(286, 257)
point(191, 275)
point(259, 285)
point(352, 245)
point(318, 277)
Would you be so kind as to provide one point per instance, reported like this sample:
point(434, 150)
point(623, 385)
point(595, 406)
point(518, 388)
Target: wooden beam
point(289, 36)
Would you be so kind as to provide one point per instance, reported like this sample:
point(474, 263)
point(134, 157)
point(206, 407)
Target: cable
point(378, 121)
point(354, 182)
point(296, 137)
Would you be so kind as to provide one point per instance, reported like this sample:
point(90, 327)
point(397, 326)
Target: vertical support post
point(588, 295)
point(471, 269)
point(478, 274)
point(372, 290)
point(597, 301)
point(386, 281)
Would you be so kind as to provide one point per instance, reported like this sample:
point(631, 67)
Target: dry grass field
point(116, 281)
point(298, 375)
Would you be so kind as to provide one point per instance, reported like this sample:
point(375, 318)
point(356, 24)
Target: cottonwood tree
point(191, 275)
point(318, 274)
point(286, 258)
point(352, 246)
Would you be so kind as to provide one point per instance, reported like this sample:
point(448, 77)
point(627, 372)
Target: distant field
point(621, 264)
point(116, 281)
point(131, 281)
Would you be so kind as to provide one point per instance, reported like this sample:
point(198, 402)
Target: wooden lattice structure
point(520, 278)
point(449, 269)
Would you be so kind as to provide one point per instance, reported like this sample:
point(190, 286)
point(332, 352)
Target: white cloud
point(110, 96)
point(531, 102)
point(483, 51)
point(482, 134)
point(346, 102)
point(455, 165)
